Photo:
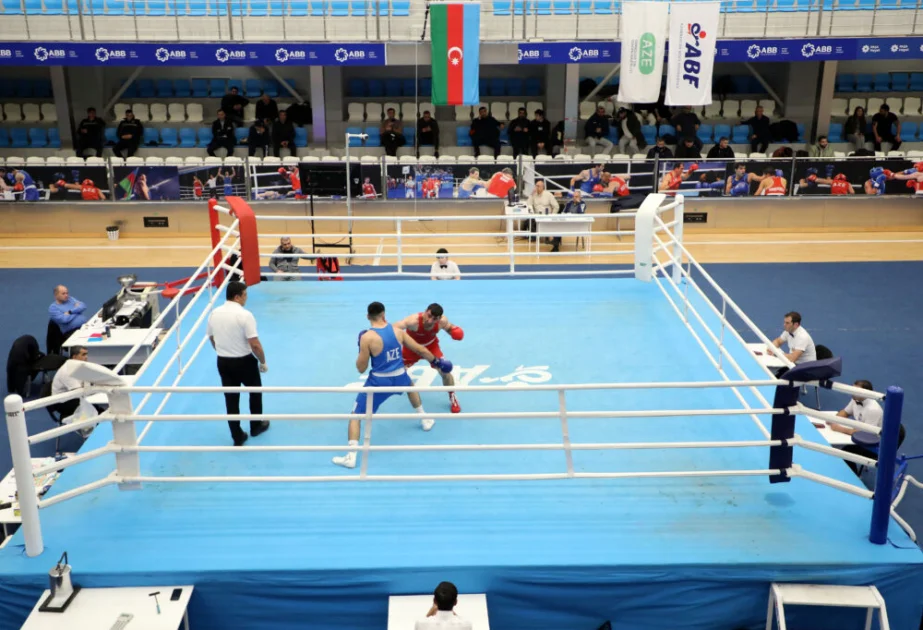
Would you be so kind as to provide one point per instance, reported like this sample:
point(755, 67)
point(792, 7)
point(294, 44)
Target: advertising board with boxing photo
point(53, 183)
point(627, 182)
point(856, 176)
point(212, 181)
point(726, 178)
point(146, 183)
point(450, 181)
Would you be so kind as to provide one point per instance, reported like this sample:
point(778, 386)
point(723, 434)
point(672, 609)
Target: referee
point(232, 331)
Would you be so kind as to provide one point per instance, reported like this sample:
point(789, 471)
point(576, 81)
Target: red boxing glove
point(18, 187)
point(911, 183)
point(60, 183)
point(812, 178)
point(693, 168)
point(457, 333)
point(282, 171)
point(888, 174)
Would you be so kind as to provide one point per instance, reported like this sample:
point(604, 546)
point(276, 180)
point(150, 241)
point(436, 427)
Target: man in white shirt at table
point(800, 345)
point(442, 614)
point(443, 268)
point(860, 409)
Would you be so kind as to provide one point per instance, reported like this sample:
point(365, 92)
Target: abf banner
point(693, 30)
point(644, 31)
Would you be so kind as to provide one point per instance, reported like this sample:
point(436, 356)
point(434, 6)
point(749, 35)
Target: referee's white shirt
point(801, 340)
point(231, 325)
point(868, 411)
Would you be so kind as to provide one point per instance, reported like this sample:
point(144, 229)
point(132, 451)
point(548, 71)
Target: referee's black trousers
point(244, 371)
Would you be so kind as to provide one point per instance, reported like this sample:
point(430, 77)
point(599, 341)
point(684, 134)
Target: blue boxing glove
point(812, 171)
point(880, 184)
point(829, 169)
point(443, 365)
point(359, 342)
point(876, 172)
point(909, 171)
point(779, 173)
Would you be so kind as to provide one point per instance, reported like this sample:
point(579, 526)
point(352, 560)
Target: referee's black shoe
point(262, 427)
point(240, 439)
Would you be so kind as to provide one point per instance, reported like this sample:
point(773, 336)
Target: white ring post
point(127, 464)
point(644, 236)
point(22, 467)
point(678, 212)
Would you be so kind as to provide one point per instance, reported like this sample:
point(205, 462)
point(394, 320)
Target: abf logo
point(283, 55)
point(104, 54)
point(693, 43)
point(529, 54)
point(163, 55)
point(342, 55)
point(754, 51)
point(223, 55)
point(44, 54)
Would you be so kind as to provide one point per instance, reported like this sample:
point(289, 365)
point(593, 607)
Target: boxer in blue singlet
point(588, 179)
point(24, 184)
point(738, 184)
point(382, 344)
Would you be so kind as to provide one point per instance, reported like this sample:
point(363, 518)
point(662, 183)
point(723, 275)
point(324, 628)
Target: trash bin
point(112, 232)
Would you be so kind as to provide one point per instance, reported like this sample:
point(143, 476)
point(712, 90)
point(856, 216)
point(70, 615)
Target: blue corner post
point(887, 458)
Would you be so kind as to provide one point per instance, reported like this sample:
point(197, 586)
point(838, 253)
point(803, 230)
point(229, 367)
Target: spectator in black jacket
point(760, 135)
point(557, 138)
point(519, 132)
point(258, 138)
point(90, 134)
point(596, 130)
point(631, 140)
point(721, 150)
point(222, 135)
point(130, 133)
point(233, 105)
point(660, 150)
point(485, 131)
point(540, 133)
point(392, 133)
point(428, 133)
point(686, 150)
point(266, 109)
point(283, 135)
point(687, 126)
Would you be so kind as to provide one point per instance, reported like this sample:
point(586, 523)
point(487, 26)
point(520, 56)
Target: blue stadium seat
point(182, 88)
point(400, 8)
point(199, 88)
point(232, 83)
point(187, 138)
point(392, 88)
point(359, 7)
point(722, 131)
point(502, 7)
point(541, 7)
point(194, 8)
point(533, 87)
point(562, 7)
point(845, 83)
point(41, 88)
point(38, 137)
point(835, 133)
point(514, 87)
point(258, 8)
point(357, 88)
point(23, 88)
point(301, 137)
point(151, 136)
point(497, 87)
point(518, 7)
point(355, 142)
point(318, 7)
point(426, 87)
point(410, 134)
point(54, 138)
point(252, 88)
point(787, 6)
point(374, 139)
point(19, 137)
point(899, 81)
point(145, 88)
point(291, 84)
point(604, 7)
point(111, 136)
point(408, 87)
point(271, 87)
point(882, 82)
point(800, 127)
point(462, 138)
point(584, 7)
point(11, 8)
point(916, 81)
point(154, 7)
point(662, 131)
point(483, 86)
point(863, 83)
point(4, 137)
point(909, 131)
point(613, 134)
point(205, 136)
point(740, 134)
point(131, 91)
point(168, 137)
point(376, 88)
point(164, 88)
point(338, 9)
point(650, 133)
point(706, 133)
point(7, 89)
point(298, 8)
point(217, 87)
point(241, 133)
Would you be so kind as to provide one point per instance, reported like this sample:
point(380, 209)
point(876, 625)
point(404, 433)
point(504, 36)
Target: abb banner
point(693, 31)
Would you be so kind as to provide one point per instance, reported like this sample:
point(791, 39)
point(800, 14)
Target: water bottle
point(108, 334)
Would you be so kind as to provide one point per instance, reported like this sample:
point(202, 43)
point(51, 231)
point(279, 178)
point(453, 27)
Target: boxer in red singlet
point(671, 180)
point(501, 183)
point(424, 329)
point(773, 185)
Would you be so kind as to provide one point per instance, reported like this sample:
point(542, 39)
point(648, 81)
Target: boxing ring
point(619, 455)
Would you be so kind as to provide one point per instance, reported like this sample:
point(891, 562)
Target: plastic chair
point(899, 81)
point(881, 82)
point(408, 87)
point(151, 136)
point(909, 131)
point(271, 87)
point(240, 134)
point(4, 137)
point(217, 87)
point(54, 138)
point(301, 137)
point(23, 88)
point(502, 7)
point(376, 88)
point(354, 142)
point(400, 8)
point(496, 87)
point(187, 138)
point(41, 88)
point(845, 83)
point(392, 88)
point(205, 136)
point(182, 88)
point(426, 87)
point(533, 87)
point(199, 88)
point(835, 132)
point(374, 139)
point(740, 134)
point(864, 82)
point(164, 88)
point(168, 137)
point(916, 81)
point(462, 138)
point(111, 136)
point(145, 88)
point(650, 133)
point(38, 137)
point(705, 133)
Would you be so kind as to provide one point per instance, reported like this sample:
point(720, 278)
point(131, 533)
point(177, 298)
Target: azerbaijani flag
point(455, 31)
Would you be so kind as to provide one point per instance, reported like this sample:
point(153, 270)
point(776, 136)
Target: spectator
point(428, 133)
point(861, 409)
point(800, 345)
point(687, 126)
point(129, 132)
point(855, 128)
point(557, 138)
point(519, 133)
point(783, 152)
point(233, 105)
point(283, 135)
point(392, 137)
point(66, 312)
point(540, 133)
point(596, 130)
point(258, 138)
point(575, 206)
point(822, 149)
point(660, 150)
point(760, 135)
point(883, 128)
point(443, 268)
point(721, 150)
point(90, 134)
point(631, 140)
point(485, 131)
point(64, 381)
point(541, 201)
point(442, 614)
point(266, 109)
point(285, 264)
point(222, 135)
point(686, 150)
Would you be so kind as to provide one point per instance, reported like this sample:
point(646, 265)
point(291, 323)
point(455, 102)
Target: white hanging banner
point(644, 32)
point(693, 31)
